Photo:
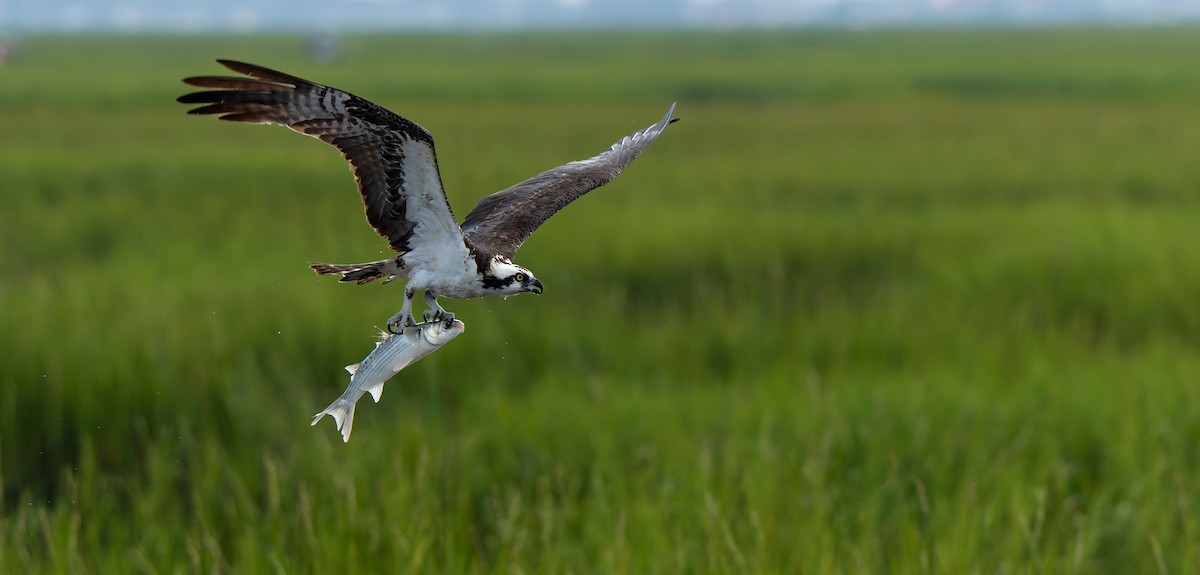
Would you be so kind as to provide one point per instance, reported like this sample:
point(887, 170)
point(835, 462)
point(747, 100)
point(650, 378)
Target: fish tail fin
point(342, 411)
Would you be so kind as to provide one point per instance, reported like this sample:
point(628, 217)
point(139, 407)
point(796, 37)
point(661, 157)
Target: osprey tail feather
point(388, 269)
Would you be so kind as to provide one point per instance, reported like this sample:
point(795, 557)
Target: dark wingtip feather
point(230, 108)
point(234, 65)
point(232, 96)
point(236, 83)
point(199, 98)
point(248, 117)
point(260, 72)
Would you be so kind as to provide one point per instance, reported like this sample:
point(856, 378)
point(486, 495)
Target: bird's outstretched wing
point(501, 222)
point(392, 158)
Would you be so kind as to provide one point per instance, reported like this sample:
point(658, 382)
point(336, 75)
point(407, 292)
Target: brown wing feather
point(501, 222)
point(369, 137)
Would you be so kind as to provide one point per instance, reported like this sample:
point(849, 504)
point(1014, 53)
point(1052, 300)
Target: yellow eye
point(519, 277)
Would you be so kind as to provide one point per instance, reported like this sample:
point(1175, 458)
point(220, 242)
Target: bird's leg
point(436, 308)
point(403, 318)
point(434, 312)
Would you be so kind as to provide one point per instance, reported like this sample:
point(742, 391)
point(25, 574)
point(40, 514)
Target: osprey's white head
point(503, 277)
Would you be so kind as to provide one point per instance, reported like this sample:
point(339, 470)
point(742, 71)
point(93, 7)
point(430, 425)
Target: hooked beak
point(535, 286)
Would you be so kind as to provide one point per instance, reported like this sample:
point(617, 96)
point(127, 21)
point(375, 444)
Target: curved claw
point(398, 324)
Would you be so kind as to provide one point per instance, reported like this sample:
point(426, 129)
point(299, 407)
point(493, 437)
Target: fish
point(392, 353)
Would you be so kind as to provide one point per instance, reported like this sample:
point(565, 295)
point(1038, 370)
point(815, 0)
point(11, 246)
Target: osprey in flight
point(395, 167)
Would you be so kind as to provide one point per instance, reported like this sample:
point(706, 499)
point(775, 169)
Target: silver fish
point(391, 354)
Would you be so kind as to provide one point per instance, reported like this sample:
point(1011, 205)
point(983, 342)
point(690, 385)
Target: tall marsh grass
point(900, 302)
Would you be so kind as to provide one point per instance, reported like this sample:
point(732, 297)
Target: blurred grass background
point(903, 302)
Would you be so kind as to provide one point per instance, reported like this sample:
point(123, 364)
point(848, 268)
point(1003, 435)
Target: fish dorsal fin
point(376, 391)
point(353, 369)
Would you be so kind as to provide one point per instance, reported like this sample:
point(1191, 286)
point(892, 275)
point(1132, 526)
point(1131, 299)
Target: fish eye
point(520, 277)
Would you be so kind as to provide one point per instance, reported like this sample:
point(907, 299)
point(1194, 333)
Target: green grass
point(890, 302)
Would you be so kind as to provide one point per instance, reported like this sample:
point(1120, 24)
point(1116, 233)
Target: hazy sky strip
point(333, 15)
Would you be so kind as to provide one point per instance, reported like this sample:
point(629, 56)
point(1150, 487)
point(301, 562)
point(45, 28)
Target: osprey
point(395, 167)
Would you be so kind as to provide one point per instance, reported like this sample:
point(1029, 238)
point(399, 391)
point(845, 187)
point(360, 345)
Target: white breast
point(438, 256)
